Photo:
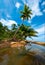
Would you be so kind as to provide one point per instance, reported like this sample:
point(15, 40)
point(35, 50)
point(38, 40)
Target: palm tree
point(27, 31)
point(24, 32)
point(13, 30)
point(25, 15)
point(13, 27)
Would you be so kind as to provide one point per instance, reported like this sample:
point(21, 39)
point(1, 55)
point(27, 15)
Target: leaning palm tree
point(27, 31)
point(25, 15)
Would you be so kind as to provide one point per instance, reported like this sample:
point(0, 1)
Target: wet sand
point(20, 56)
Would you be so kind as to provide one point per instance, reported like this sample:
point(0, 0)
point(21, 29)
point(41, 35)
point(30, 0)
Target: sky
point(10, 14)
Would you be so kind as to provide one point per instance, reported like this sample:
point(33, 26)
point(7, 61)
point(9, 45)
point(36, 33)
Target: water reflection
point(15, 56)
point(36, 48)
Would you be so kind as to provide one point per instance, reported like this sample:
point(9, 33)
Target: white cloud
point(43, 3)
point(41, 34)
point(41, 29)
point(44, 10)
point(8, 16)
point(34, 5)
point(17, 5)
point(7, 22)
point(10, 22)
point(40, 38)
point(29, 20)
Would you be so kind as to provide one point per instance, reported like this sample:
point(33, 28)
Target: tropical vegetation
point(23, 32)
point(18, 32)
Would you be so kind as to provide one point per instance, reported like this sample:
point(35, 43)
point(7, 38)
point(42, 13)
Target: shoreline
point(39, 43)
point(19, 44)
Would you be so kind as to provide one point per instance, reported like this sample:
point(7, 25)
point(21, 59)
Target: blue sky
point(10, 13)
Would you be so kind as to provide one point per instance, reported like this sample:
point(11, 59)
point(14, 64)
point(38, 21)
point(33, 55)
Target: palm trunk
point(14, 37)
